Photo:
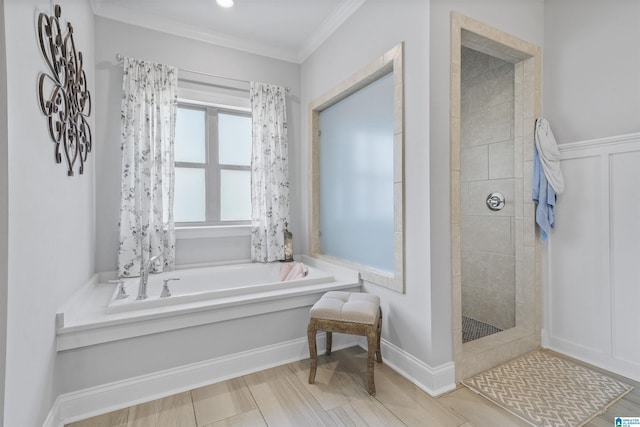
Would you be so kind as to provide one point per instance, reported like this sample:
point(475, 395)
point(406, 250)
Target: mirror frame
point(390, 62)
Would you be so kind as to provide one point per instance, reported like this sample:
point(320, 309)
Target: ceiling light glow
point(225, 3)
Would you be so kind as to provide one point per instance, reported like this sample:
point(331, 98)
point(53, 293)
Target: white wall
point(114, 37)
point(96, 365)
point(591, 91)
point(374, 29)
point(418, 322)
point(51, 216)
point(4, 208)
point(591, 67)
point(523, 19)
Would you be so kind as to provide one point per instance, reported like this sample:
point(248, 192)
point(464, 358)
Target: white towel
point(549, 155)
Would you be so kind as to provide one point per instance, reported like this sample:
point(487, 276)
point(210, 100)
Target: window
point(212, 166)
point(357, 176)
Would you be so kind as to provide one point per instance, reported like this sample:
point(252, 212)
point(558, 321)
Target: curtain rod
point(120, 58)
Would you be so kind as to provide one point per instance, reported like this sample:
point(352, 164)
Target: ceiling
point(284, 29)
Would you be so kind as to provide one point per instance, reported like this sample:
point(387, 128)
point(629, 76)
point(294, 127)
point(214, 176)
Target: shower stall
point(495, 276)
point(487, 222)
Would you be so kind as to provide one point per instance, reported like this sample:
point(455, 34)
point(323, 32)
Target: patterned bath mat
point(545, 390)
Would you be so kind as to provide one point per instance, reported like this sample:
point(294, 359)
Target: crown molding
point(170, 26)
point(328, 27)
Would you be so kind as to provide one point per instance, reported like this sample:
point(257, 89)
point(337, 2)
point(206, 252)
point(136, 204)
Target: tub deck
point(206, 283)
point(85, 320)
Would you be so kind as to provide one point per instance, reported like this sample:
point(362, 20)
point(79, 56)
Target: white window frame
point(212, 169)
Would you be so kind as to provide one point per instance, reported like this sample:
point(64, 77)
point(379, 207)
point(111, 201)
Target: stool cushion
point(347, 307)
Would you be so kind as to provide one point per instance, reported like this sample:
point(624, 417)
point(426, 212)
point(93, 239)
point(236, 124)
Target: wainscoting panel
point(576, 261)
point(592, 288)
point(625, 254)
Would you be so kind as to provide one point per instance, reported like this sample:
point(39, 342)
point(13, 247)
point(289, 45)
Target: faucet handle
point(165, 287)
point(153, 261)
point(122, 292)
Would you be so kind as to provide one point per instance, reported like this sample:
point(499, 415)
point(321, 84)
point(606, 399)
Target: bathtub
point(203, 296)
point(207, 283)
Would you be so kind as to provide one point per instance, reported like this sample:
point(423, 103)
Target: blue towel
point(545, 197)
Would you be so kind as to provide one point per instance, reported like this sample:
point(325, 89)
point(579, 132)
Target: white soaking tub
point(203, 296)
point(210, 283)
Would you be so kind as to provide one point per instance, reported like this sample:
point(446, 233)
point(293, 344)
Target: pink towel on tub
point(293, 271)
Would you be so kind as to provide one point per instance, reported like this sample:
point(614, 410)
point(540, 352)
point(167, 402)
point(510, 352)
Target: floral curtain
point(149, 105)
point(269, 172)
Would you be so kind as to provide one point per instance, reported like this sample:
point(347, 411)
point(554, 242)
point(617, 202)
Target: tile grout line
point(458, 414)
point(348, 400)
point(242, 378)
point(357, 378)
point(193, 408)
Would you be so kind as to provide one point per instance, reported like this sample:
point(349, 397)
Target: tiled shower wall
point(487, 166)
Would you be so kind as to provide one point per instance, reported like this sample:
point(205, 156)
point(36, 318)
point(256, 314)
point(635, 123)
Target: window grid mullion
point(213, 172)
point(212, 168)
point(235, 167)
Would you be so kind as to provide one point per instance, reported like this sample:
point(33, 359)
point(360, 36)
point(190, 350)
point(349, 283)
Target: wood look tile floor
point(281, 396)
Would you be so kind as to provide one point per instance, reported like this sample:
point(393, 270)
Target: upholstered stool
point(347, 313)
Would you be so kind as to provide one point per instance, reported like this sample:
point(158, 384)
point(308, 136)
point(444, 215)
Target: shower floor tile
point(473, 329)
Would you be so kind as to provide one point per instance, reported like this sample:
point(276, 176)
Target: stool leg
point(329, 340)
point(313, 352)
point(371, 344)
point(378, 333)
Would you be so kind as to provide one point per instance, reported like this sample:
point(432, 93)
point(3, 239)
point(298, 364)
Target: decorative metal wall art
point(68, 104)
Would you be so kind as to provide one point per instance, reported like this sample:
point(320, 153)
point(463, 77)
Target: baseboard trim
point(602, 360)
point(82, 404)
point(434, 381)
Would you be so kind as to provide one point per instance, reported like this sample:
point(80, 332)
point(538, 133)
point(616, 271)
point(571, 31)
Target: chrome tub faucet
point(144, 277)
